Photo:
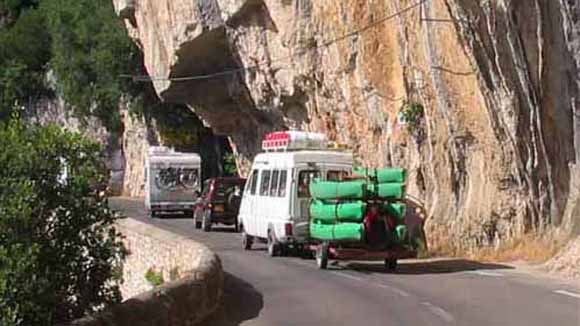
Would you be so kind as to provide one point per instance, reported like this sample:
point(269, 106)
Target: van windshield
point(304, 179)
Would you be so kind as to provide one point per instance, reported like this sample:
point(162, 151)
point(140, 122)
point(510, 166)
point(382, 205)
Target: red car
point(219, 202)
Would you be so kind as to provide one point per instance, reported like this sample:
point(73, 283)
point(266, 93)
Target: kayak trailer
point(326, 250)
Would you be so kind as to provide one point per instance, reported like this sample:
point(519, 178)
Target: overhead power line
point(299, 52)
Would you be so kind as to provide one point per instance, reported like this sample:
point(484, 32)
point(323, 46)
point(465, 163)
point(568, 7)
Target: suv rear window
point(253, 182)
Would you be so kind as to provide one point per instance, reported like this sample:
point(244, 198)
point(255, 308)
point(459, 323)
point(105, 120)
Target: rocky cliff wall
point(489, 88)
point(124, 151)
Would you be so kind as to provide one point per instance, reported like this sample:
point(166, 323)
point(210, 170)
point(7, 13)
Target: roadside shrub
point(153, 277)
point(60, 256)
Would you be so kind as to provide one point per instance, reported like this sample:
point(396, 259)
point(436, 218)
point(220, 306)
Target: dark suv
point(219, 203)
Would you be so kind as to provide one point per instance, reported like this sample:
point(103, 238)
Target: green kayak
point(337, 190)
point(340, 231)
point(396, 210)
point(387, 190)
point(342, 212)
point(386, 175)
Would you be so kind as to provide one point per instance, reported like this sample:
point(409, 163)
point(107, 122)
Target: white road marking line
point(485, 273)
point(568, 293)
point(398, 291)
point(347, 276)
point(439, 312)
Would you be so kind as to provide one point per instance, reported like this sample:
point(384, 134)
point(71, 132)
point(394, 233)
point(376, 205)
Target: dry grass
point(530, 248)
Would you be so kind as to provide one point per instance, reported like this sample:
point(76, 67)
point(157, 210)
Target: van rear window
point(336, 175)
point(265, 183)
point(304, 179)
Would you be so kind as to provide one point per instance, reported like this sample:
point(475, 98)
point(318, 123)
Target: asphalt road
point(291, 291)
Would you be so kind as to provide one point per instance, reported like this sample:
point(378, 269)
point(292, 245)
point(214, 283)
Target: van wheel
point(322, 255)
point(273, 245)
point(206, 222)
point(247, 240)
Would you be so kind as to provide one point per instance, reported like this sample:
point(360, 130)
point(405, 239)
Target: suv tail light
point(288, 229)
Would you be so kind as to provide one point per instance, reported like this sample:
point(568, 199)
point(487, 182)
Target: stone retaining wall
point(193, 280)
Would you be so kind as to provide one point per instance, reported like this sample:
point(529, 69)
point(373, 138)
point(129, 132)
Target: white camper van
point(276, 198)
point(172, 181)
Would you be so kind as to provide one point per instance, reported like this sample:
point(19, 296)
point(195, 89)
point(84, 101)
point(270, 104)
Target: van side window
point(265, 183)
point(274, 184)
point(253, 182)
point(304, 179)
point(282, 184)
point(336, 175)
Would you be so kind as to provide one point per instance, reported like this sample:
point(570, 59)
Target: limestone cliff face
point(494, 148)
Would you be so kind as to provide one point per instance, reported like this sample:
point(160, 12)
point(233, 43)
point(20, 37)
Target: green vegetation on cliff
point(81, 41)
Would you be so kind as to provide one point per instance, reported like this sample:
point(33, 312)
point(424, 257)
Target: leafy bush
point(154, 278)
point(230, 167)
point(412, 114)
point(60, 257)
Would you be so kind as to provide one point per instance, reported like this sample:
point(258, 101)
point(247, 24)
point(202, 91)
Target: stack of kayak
point(338, 208)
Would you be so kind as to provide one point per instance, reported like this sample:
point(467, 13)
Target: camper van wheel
point(196, 220)
point(273, 245)
point(206, 222)
point(391, 264)
point(247, 240)
point(322, 255)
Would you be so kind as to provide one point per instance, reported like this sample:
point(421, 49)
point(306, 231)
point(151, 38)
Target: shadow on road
point(224, 229)
point(241, 302)
point(428, 267)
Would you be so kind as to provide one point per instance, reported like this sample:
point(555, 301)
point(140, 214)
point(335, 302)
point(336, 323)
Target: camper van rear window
point(176, 177)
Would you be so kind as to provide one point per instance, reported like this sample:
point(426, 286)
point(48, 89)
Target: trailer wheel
point(196, 221)
point(322, 255)
point(206, 221)
point(391, 264)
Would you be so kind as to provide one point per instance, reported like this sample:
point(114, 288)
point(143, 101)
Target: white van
point(276, 198)
point(172, 181)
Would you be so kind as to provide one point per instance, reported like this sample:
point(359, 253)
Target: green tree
point(24, 54)
point(60, 255)
point(90, 51)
